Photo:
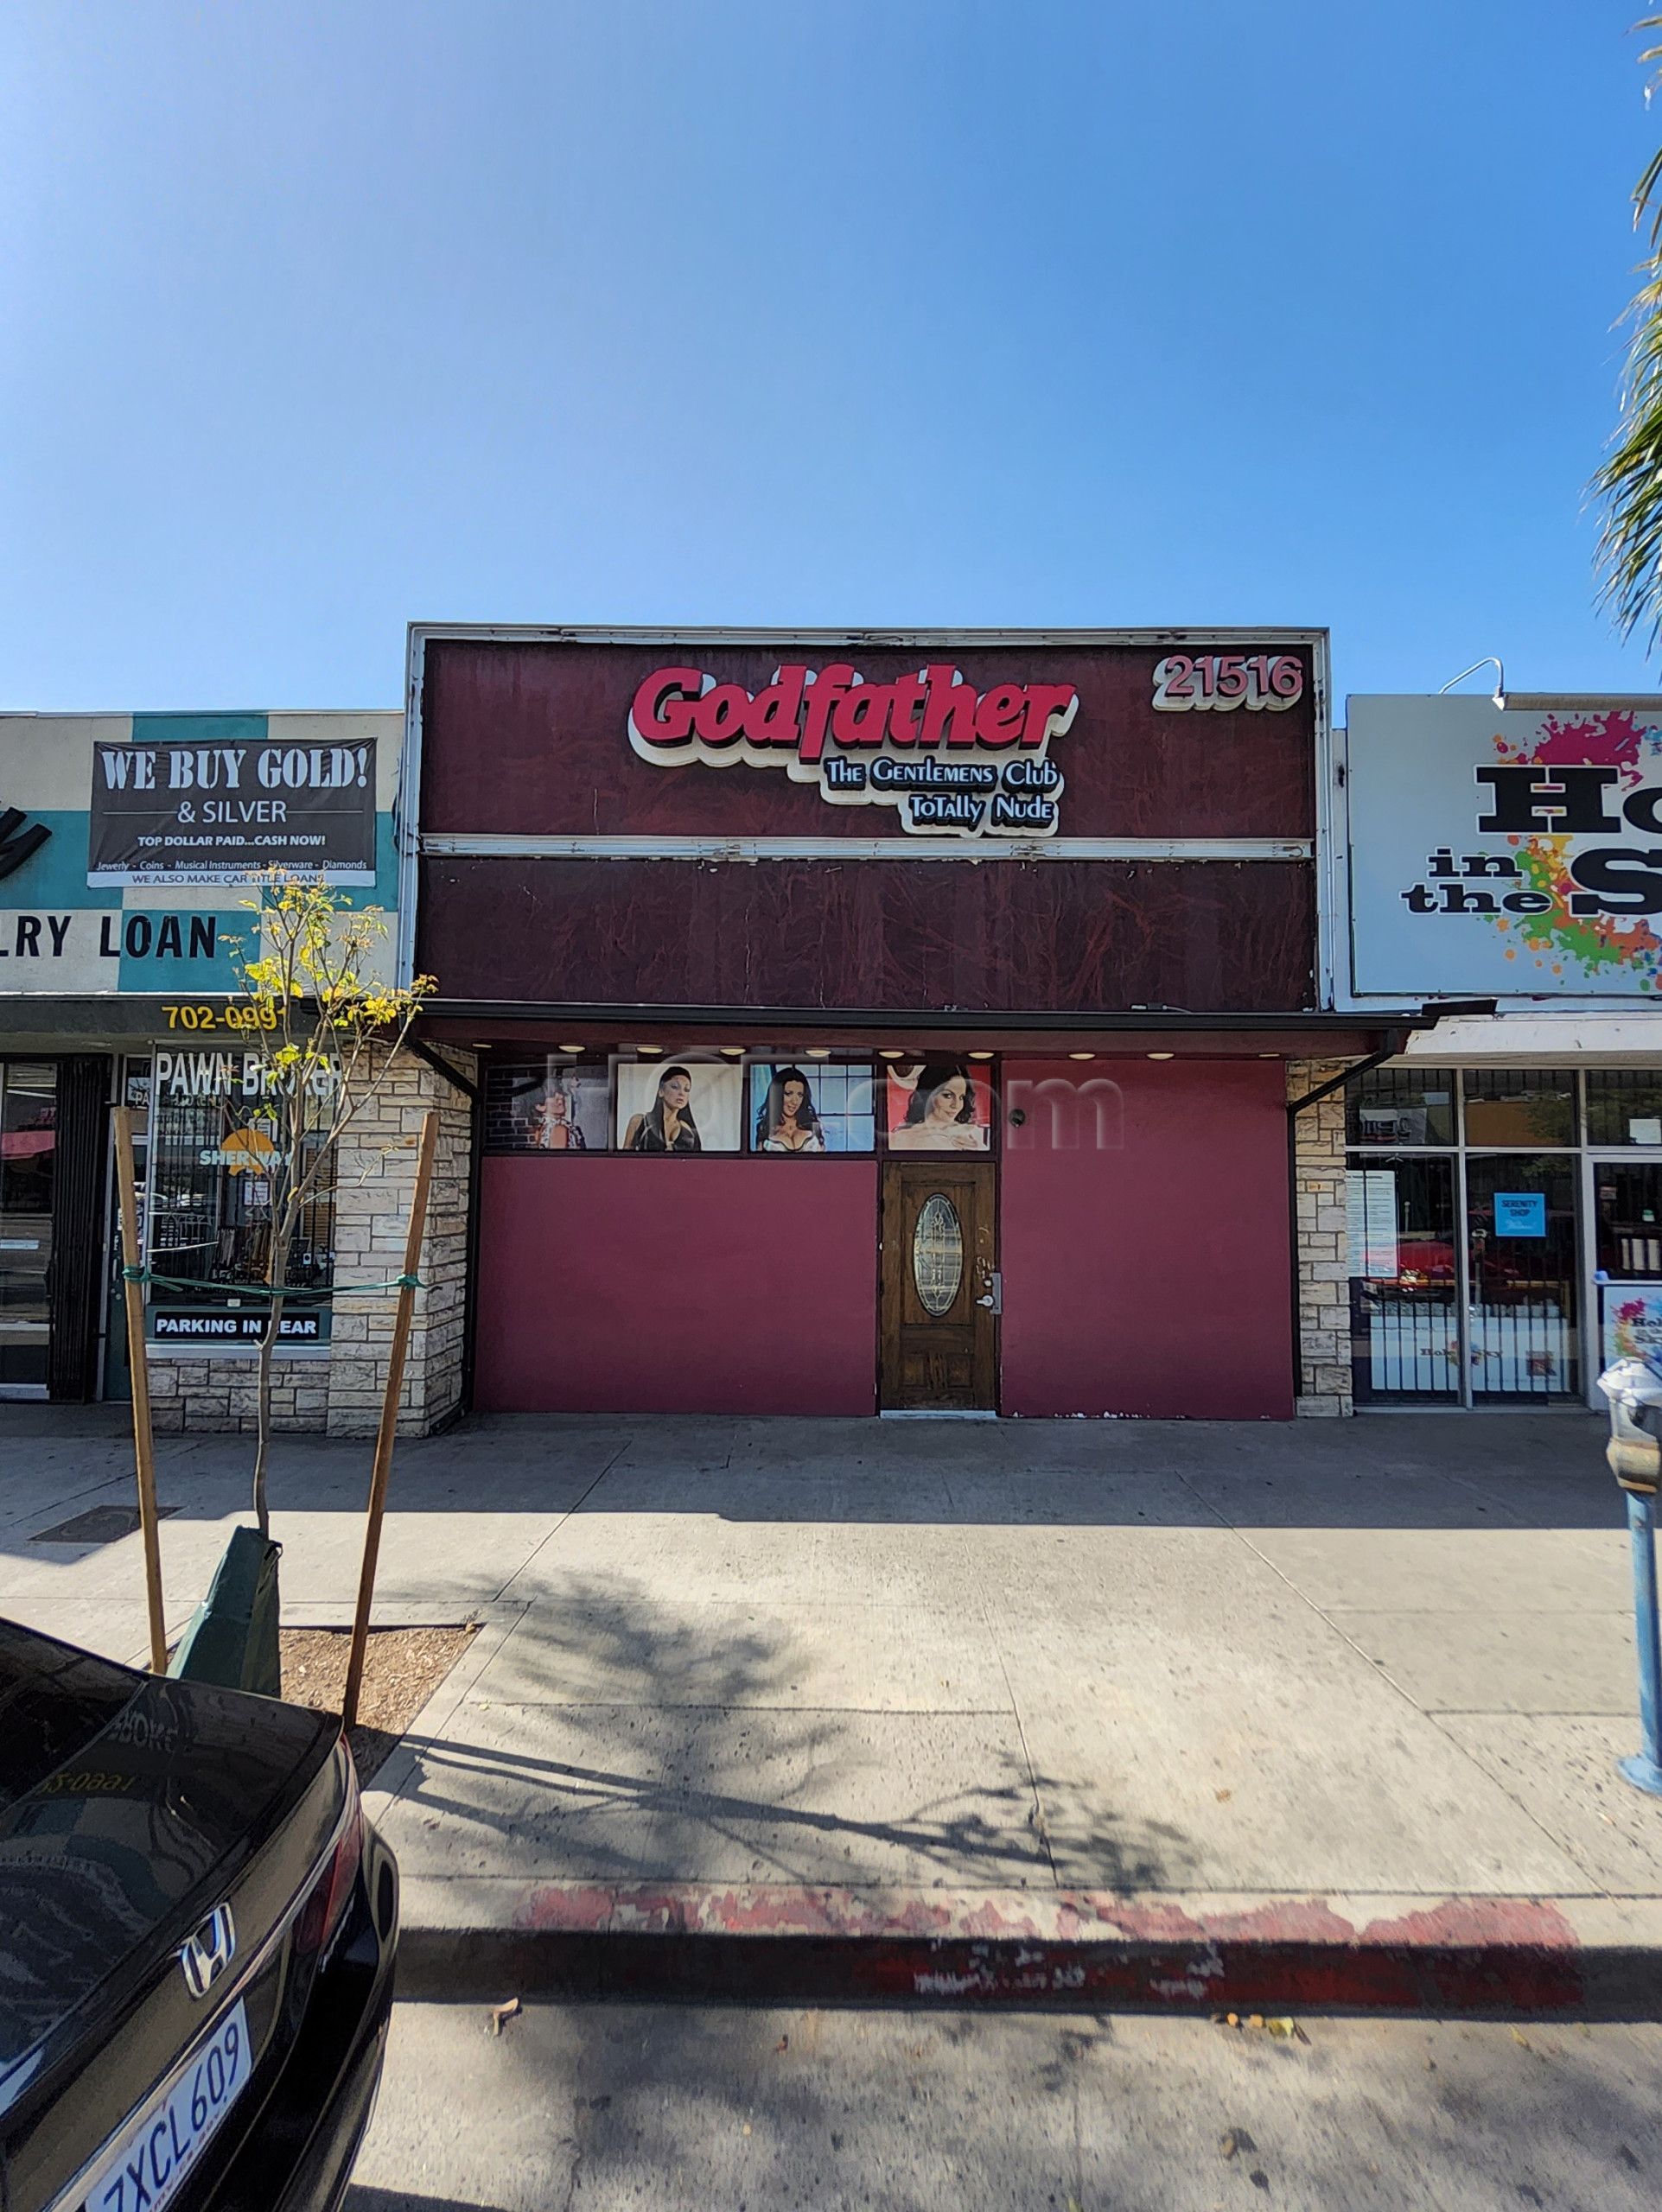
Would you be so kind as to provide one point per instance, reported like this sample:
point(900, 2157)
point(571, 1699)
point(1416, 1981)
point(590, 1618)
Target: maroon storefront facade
point(1009, 938)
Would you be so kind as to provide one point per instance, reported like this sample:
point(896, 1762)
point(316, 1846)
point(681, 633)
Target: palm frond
point(1645, 192)
point(1628, 485)
point(1629, 482)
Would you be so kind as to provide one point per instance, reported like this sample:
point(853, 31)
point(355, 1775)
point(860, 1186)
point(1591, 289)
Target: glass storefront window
point(1624, 1106)
point(1402, 1106)
point(1499, 1320)
point(27, 1157)
point(1520, 1106)
point(1403, 1278)
point(213, 1163)
point(1520, 1224)
point(1629, 1213)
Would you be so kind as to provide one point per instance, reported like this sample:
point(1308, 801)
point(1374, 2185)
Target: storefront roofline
point(1524, 1038)
point(30, 1019)
point(1301, 1036)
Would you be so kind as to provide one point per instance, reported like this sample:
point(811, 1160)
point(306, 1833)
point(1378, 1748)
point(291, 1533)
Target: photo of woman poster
point(938, 1107)
point(812, 1109)
point(678, 1107)
point(787, 1122)
point(556, 1124)
point(546, 1105)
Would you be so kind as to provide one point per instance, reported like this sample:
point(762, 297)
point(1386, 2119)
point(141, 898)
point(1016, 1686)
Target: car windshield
point(53, 1699)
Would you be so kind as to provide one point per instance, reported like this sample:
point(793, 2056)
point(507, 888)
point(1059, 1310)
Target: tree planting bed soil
point(402, 1669)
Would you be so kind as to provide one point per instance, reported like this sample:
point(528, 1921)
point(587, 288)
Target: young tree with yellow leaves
point(321, 1031)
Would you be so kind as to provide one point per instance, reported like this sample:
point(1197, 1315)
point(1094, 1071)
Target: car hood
point(119, 1852)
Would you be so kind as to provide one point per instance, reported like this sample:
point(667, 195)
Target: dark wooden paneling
point(532, 738)
point(78, 1245)
point(911, 936)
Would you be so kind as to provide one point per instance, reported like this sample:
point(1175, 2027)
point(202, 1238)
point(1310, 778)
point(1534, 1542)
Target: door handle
point(994, 1300)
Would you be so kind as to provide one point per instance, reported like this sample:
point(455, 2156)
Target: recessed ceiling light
point(1081, 1056)
point(1162, 1056)
point(819, 1052)
point(571, 1048)
point(981, 1056)
point(732, 1052)
point(891, 1056)
point(649, 1048)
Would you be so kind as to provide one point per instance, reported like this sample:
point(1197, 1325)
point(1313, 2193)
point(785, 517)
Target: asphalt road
point(571, 2107)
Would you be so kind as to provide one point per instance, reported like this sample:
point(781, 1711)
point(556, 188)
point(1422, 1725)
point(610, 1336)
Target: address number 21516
point(1218, 683)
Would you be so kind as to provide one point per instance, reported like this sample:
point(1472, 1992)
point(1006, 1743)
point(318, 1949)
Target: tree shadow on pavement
point(613, 1739)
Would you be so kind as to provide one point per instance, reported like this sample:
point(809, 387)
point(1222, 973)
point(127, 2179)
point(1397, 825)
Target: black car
point(197, 1930)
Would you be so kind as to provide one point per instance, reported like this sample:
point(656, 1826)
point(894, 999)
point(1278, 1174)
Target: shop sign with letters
point(167, 812)
point(954, 761)
point(1504, 851)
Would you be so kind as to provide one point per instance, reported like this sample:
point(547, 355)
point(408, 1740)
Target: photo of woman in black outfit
point(667, 1125)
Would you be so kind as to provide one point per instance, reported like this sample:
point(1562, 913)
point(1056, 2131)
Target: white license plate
point(146, 2167)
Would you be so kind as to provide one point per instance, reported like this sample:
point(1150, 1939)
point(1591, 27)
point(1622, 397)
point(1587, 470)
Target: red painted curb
point(1082, 1951)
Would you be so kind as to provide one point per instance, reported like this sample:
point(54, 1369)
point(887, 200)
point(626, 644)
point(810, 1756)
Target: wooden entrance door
point(939, 1288)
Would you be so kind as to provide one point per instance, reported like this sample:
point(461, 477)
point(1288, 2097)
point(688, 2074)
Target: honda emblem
point(205, 1955)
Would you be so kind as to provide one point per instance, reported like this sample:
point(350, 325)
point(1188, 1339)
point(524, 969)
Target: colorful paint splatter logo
point(1558, 942)
point(1633, 1328)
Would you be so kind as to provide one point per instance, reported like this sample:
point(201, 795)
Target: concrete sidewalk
point(965, 1694)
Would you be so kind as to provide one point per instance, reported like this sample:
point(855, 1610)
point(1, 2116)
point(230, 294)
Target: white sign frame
point(1359, 862)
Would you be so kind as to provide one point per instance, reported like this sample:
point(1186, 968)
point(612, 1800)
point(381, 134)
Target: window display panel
point(27, 1157)
point(216, 1167)
point(677, 1106)
point(1624, 1106)
point(815, 1107)
point(938, 1106)
point(1401, 1106)
point(547, 1105)
point(1522, 1244)
point(1404, 1279)
point(1629, 1200)
point(1520, 1106)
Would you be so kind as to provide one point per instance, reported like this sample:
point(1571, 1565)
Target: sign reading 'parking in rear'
point(165, 812)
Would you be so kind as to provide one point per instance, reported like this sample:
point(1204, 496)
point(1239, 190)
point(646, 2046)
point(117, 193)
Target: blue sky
point(318, 318)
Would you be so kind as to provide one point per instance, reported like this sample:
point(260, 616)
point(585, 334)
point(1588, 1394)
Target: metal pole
point(1644, 1769)
point(389, 1428)
point(143, 1441)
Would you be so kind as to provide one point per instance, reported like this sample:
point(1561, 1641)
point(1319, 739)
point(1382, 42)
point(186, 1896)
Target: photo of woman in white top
point(787, 1122)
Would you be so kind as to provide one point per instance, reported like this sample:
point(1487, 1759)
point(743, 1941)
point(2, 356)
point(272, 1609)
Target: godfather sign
point(954, 761)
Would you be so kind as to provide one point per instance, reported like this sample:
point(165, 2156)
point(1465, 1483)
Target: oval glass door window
point(937, 1256)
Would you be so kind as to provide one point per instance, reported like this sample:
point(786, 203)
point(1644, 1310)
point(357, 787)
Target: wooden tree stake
point(389, 1428)
point(138, 1361)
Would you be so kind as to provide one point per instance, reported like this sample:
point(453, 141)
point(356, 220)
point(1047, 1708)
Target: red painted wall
point(518, 735)
point(523, 738)
point(677, 1286)
point(1006, 936)
point(1144, 1240)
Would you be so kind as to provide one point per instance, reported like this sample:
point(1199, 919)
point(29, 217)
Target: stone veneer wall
point(1324, 1382)
point(340, 1390)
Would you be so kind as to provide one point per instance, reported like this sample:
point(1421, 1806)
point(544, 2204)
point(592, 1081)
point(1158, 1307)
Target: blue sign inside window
point(1520, 1213)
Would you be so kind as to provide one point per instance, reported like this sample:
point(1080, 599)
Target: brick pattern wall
point(1324, 1386)
point(340, 1392)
